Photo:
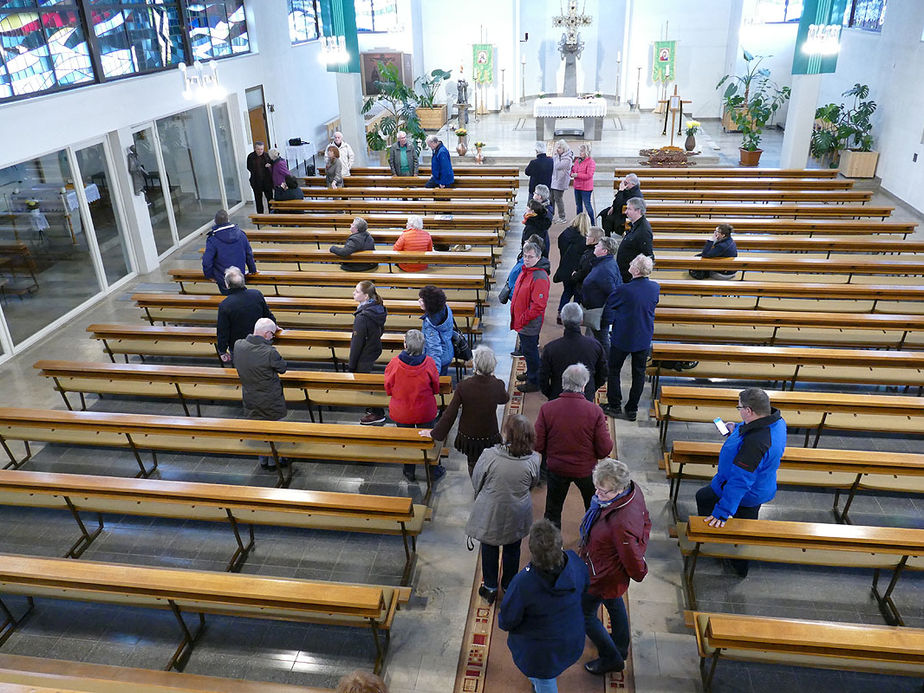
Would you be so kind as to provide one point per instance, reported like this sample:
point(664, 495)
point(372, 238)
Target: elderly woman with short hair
point(414, 239)
point(477, 397)
point(614, 536)
point(542, 609)
point(613, 218)
point(582, 171)
point(562, 160)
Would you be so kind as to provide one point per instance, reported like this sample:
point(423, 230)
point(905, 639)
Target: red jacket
point(417, 240)
point(583, 170)
point(412, 390)
point(530, 297)
point(615, 548)
point(573, 434)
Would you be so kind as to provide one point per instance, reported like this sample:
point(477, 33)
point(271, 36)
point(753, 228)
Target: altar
point(547, 111)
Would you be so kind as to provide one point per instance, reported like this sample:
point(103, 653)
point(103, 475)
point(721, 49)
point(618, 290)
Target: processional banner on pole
point(483, 63)
point(662, 61)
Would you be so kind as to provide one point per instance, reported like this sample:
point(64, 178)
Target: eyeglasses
point(741, 406)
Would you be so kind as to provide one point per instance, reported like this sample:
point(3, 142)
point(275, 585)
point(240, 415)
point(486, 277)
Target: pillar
point(352, 123)
point(799, 120)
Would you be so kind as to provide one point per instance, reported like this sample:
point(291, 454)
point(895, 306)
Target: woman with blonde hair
point(583, 174)
point(570, 248)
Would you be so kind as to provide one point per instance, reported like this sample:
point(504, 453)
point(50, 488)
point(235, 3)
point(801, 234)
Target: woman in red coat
point(527, 309)
point(412, 381)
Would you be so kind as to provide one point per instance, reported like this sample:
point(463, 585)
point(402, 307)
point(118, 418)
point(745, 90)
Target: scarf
point(596, 505)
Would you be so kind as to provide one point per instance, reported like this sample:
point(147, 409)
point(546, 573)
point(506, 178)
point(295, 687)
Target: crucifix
point(570, 46)
point(674, 107)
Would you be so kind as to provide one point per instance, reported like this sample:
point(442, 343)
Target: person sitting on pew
point(290, 189)
point(748, 461)
point(720, 245)
point(441, 175)
point(412, 381)
point(613, 219)
point(360, 239)
point(414, 239)
point(226, 246)
point(238, 312)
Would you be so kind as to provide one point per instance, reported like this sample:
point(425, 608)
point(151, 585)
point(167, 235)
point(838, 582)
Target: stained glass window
point(217, 28)
point(304, 21)
point(865, 14)
point(376, 15)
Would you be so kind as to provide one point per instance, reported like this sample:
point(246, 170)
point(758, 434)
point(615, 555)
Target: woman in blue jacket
point(720, 245)
point(599, 283)
point(437, 326)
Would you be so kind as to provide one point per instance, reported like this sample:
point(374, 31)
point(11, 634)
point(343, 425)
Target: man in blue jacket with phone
point(748, 460)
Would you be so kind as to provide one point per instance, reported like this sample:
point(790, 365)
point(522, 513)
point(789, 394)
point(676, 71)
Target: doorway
point(256, 113)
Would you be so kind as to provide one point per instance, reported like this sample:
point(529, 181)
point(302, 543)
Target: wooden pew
point(722, 172)
point(236, 506)
point(732, 182)
point(721, 210)
point(734, 195)
point(424, 170)
point(192, 384)
point(806, 543)
point(203, 592)
point(843, 471)
point(383, 181)
point(818, 411)
point(327, 237)
point(40, 674)
point(416, 193)
point(402, 207)
point(231, 437)
point(816, 644)
point(795, 244)
point(801, 227)
point(789, 364)
point(467, 222)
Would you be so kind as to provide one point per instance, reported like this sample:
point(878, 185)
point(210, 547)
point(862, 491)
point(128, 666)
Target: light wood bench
point(388, 181)
point(734, 195)
point(816, 244)
point(843, 471)
point(416, 193)
point(458, 171)
point(231, 437)
point(801, 227)
point(656, 183)
point(193, 384)
point(818, 411)
point(241, 507)
point(467, 222)
point(328, 237)
point(202, 592)
point(817, 644)
point(797, 211)
point(722, 172)
point(403, 207)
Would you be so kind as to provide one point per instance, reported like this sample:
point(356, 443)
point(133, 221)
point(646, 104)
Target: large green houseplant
point(432, 116)
point(843, 135)
point(751, 100)
point(398, 111)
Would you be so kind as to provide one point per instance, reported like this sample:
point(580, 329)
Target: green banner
point(338, 18)
point(662, 61)
point(818, 40)
point(483, 63)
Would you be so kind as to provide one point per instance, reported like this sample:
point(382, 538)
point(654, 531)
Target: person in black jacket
point(539, 169)
point(261, 180)
point(613, 219)
point(290, 190)
point(585, 264)
point(572, 347)
point(238, 313)
point(360, 239)
point(536, 222)
point(720, 245)
point(366, 342)
point(638, 241)
point(570, 248)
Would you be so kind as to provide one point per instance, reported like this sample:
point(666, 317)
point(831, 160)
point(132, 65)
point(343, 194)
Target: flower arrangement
point(461, 132)
point(479, 145)
point(693, 127)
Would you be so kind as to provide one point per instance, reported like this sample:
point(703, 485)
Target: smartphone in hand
point(719, 424)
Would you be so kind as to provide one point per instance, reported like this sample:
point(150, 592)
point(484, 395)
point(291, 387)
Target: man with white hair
point(258, 366)
point(414, 239)
point(539, 170)
point(613, 219)
point(441, 175)
point(402, 156)
point(347, 156)
point(632, 306)
point(238, 312)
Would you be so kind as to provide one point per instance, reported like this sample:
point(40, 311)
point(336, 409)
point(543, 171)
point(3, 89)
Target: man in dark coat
point(261, 181)
point(441, 175)
point(638, 241)
point(571, 348)
point(238, 313)
point(226, 246)
point(539, 169)
point(360, 239)
point(613, 219)
point(258, 366)
point(632, 306)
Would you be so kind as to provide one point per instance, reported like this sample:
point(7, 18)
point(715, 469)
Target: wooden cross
point(674, 106)
point(571, 22)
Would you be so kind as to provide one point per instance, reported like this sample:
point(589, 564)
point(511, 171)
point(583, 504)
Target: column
point(352, 123)
point(799, 120)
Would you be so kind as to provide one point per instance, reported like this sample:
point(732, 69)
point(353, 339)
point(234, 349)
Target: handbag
point(592, 317)
point(461, 350)
point(504, 294)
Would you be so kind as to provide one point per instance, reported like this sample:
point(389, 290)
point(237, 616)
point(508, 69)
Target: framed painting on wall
point(369, 66)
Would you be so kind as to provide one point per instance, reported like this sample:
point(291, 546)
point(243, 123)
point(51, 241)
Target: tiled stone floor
point(427, 635)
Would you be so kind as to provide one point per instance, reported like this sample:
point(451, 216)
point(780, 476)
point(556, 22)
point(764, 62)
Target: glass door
point(147, 177)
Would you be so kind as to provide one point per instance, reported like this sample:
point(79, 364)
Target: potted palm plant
point(843, 137)
point(751, 100)
point(432, 115)
point(396, 102)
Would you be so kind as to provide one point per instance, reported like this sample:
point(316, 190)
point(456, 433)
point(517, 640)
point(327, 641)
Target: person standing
point(238, 313)
point(366, 340)
point(582, 172)
point(585, 264)
point(632, 310)
point(527, 310)
point(596, 288)
point(572, 435)
point(261, 180)
point(360, 239)
point(278, 171)
point(572, 347)
point(402, 156)
point(346, 154)
point(437, 326)
point(613, 219)
point(539, 169)
point(542, 609)
point(536, 222)
point(614, 537)
point(562, 161)
point(570, 248)
point(226, 246)
point(258, 366)
point(441, 175)
point(333, 167)
point(503, 508)
point(414, 239)
point(748, 461)
point(638, 240)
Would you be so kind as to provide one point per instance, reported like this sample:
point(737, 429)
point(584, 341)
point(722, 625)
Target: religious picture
point(483, 59)
point(369, 65)
point(662, 64)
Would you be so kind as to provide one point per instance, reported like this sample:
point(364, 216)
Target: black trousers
point(557, 491)
point(511, 563)
point(706, 498)
point(613, 390)
point(258, 195)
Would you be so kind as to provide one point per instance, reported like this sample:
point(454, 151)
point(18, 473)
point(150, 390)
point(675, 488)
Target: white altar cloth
point(569, 107)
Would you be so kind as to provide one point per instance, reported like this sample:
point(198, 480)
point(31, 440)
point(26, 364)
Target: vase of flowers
point(462, 147)
point(693, 127)
point(479, 157)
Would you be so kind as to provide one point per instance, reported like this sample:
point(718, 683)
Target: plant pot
point(690, 143)
point(462, 147)
point(432, 118)
point(749, 158)
point(858, 164)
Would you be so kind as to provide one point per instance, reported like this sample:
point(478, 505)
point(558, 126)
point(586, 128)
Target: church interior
point(142, 545)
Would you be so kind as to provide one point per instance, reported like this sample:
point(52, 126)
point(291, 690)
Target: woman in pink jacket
point(582, 172)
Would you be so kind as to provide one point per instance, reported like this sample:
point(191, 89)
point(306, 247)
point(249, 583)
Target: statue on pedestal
point(570, 46)
point(462, 98)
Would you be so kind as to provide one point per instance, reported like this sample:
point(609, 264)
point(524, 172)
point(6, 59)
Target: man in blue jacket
point(441, 175)
point(226, 246)
point(748, 460)
point(631, 310)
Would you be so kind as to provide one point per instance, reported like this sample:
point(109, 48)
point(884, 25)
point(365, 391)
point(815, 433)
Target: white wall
point(776, 42)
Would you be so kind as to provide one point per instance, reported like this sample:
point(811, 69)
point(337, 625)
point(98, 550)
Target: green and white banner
point(818, 40)
point(483, 63)
point(662, 61)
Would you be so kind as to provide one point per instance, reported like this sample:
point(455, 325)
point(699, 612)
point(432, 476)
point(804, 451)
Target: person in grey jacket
point(562, 160)
point(258, 366)
point(503, 509)
point(402, 156)
point(360, 239)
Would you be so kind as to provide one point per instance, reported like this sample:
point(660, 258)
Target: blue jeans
point(706, 498)
point(612, 649)
point(529, 347)
point(544, 685)
point(582, 203)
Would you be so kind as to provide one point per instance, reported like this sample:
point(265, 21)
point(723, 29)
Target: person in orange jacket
point(414, 239)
